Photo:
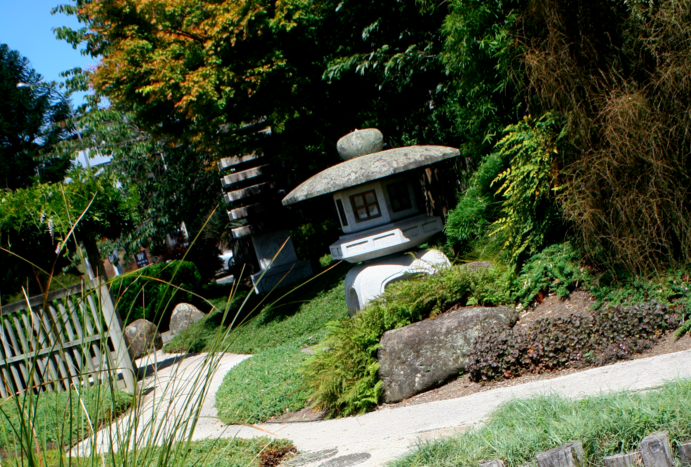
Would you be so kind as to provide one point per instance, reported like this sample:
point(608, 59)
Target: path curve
point(378, 437)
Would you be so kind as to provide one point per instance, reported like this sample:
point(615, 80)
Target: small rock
point(183, 316)
point(424, 355)
point(360, 143)
point(141, 337)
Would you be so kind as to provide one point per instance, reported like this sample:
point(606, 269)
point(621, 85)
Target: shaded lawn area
point(606, 425)
point(268, 384)
point(303, 313)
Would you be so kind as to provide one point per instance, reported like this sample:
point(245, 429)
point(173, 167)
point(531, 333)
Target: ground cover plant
point(609, 334)
point(606, 424)
point(269, 383)
point(96, 405)
point(232, 452)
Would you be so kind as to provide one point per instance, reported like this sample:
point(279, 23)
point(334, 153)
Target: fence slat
point(16, 379)
point(43, 342)
point(30, 367)
point(64, 339)
point(64, 317)
point(49, 329)
point(61, 337)
point(41, 363)
point(95, 346)
point(85, 348)
point(18, 351)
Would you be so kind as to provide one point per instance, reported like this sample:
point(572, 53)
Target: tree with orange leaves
point(198, 70)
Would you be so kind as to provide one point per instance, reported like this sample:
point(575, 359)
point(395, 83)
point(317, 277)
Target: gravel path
point(377, 437)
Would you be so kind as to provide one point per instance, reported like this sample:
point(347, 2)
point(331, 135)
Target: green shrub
point(510, 198)
point(609, 334)
point(606, 424)
point(477, 208)
point(528, 213)
point(616, 287)
point(342, 374)
point(556, 269)
point(152, 292)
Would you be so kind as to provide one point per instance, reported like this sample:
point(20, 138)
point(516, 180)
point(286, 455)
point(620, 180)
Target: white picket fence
point(70, 337)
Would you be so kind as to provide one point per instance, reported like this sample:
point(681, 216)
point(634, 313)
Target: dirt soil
point(273, 457)
point(579, 302)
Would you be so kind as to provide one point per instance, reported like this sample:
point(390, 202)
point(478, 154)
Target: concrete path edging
point(378, 437)
point(389, 433)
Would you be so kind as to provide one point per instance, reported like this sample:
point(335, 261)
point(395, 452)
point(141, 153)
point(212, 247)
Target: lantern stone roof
point(369, 167)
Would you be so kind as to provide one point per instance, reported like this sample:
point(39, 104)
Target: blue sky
point(26, 26)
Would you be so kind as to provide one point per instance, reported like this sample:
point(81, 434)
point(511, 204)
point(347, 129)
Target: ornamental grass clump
point(606, 424)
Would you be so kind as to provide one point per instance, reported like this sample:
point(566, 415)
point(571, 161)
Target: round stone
point(141, 337)
point(183, 316)
point(360, 142)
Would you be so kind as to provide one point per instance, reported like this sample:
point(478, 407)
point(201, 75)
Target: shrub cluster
point(556, 269)
point(342, 374)
point(152, 292)
point(578, 340)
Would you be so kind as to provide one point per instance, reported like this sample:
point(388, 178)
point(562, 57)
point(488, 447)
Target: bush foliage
point(577, 340)
point(342, 374)
point(556, 269)
point(152, 292)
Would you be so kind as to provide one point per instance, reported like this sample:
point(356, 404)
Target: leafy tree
point(479, 53)
point(41, 225)
point(32, 121)
point(197, 71)
point(169, 182)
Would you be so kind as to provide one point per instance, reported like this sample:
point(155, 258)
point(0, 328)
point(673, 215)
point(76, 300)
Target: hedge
point(152, 292)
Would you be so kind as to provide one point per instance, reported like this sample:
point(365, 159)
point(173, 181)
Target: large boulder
point(427, 354)
point(141, 337)
point(183, 316)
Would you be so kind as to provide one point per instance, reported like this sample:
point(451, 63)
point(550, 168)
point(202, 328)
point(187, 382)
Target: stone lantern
point(381, 212)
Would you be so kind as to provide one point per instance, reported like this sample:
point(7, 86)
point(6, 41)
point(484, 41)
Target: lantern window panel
point(399, 196)
point(365, 206)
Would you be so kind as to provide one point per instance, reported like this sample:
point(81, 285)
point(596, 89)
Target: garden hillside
point(567, 139)
point(540, 163)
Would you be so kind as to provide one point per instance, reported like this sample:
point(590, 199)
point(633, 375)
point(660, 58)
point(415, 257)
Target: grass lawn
point(607, 424)
point(268, 384)
point(58, 418)
point(207, 453)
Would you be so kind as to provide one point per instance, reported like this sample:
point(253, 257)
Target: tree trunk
point(94, 256)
